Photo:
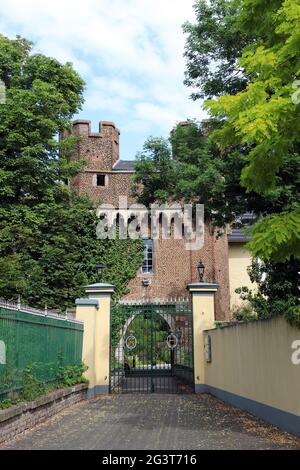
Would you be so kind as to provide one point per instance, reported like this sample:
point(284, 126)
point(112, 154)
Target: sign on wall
point(2, 352)
point(207, 348)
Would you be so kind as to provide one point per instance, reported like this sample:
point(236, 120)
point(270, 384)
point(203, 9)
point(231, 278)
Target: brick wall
point(19, 418)
point(117, 184)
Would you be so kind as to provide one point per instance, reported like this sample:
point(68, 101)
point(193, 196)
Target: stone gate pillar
point(203, 319)
point(94, 311)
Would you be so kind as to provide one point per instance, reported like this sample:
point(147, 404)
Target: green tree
point(151, 332)
point(62, 260)
point(48, 243)
point(153, 170)
point(265, 116)
point(255, 44)
point(276, 292)
point(213, 46)
point(189, 167)
point(201, 173)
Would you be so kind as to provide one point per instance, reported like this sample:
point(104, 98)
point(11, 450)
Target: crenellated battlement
point(82, 127)
point(99, 149)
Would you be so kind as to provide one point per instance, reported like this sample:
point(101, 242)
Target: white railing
point(36, 311)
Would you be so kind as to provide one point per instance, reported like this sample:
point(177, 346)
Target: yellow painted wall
point(102, 339)
point(253, 360)
point(239, 259)
point(203, 318)
point(96, 340)
point(88, 314)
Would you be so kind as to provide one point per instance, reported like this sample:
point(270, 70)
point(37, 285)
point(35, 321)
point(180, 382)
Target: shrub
point(244, 312)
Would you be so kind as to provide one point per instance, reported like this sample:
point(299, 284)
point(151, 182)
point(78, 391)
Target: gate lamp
point(201, 269)
point(99, 269)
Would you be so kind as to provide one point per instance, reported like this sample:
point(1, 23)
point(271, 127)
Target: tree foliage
point(48, 244)
point(265, 116)
point(153, 170)
point(213, 47)
point(276, 292)
point(189, 167)
point(256, 42)
point(225, 57)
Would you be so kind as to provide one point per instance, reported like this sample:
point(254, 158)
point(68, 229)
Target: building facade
point(168, 267)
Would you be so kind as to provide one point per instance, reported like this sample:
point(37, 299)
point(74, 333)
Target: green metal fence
point(38, 340)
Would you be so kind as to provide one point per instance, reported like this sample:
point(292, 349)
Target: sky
point(129, 52)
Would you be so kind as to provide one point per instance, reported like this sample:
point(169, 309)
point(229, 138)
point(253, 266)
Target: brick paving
point(153, 421)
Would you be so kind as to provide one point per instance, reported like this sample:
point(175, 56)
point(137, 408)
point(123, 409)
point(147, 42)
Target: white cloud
point(130, 52)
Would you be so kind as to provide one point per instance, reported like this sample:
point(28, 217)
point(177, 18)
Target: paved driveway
point(154, 422)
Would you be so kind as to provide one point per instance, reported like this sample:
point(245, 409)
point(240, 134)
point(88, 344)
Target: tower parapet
point(99, 149)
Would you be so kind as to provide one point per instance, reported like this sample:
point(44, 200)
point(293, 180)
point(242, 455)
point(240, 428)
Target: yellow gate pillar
point(203, 319)
point(94, 311)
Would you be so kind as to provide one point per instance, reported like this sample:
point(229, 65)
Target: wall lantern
point(201, 269)
point(99, 269)
point(146, 282)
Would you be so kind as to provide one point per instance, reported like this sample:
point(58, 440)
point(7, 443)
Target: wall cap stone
point(87, 302)
point(82, 121)
point(107, 123)
point(16, 410)
point(100, 287)
point(202, 287)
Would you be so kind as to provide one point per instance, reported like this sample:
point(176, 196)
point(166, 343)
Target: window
point(147, 267)
point(100, 180)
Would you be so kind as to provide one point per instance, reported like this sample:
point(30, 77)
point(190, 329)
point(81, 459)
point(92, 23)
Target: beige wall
point(238, 260)
point(96, 338)
point(203, 318)
point(88, 314)
point(253, 360)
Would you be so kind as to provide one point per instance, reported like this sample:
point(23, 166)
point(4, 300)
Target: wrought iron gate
point(152, 347)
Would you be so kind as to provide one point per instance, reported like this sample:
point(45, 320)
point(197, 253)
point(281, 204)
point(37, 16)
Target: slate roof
point(238, 235)
point(124, 165)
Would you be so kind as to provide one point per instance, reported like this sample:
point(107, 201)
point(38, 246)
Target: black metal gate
point(152, 347)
